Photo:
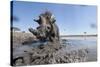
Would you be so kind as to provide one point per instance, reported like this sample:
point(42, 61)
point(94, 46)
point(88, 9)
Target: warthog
point(47, 29)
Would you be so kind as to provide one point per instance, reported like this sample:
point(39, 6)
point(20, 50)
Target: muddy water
point(89, 44)
point(72, 44)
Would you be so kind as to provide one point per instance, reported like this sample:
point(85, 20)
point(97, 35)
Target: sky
point(71, 19)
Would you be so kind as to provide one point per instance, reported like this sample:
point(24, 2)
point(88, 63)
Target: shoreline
point(80, 38)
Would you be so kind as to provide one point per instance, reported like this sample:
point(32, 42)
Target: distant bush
point(15, 29)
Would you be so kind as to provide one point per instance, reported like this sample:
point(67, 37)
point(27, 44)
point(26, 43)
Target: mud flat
point(47, 54)
point(71, 51)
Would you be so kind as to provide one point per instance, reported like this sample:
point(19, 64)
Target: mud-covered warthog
point(47, 29)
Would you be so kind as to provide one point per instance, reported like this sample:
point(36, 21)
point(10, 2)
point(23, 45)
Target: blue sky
point(71, 19)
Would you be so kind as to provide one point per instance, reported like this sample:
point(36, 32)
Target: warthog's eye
point(48, 27)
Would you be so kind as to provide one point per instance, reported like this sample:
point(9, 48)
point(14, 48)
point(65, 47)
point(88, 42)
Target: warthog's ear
point(38, 21)
point(52, 19)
